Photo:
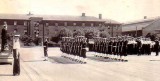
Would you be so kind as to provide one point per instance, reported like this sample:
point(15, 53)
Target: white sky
point(119, 10)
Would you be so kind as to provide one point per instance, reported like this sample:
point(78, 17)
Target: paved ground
point(33, 68)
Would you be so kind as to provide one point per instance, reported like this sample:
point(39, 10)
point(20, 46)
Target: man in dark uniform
point(138, 46)
point(106, 48)
point(156, 47)
point(45, 50)
point(110, 46)
point(114, 48)
point(4, 37)
point(83, 50)
point(124, 48)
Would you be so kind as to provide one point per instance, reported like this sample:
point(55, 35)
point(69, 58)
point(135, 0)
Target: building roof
point(14, 16)
point(111, 21)
point(142, 20)
point(137, 25)
point(51, 17)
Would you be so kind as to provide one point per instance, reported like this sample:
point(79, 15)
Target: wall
point(133, 33)
point(152, 27)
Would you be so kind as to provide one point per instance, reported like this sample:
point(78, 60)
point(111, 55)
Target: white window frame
point(25, 23)
point(83, 24)
point(65, 23)
point(74, 24)
point(92, 24)
point(15, 23)
point(47, 24)
point(56, 24)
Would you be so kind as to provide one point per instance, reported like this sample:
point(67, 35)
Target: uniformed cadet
point(121, 48)
point(83, 50)
point(16, 55)
point(156, 47)
point(120, 44)
point(106, 48)
point(45, 49)
point(110, 47)
point(124, 48)
point(138, 46)
point(114, 48)
point(148, 46)
point(74, 48)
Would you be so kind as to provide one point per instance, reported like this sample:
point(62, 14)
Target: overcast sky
point(119, 10)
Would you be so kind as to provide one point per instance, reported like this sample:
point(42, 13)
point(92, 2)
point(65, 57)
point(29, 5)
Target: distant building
point(114, 27)
point(32, 25)
point(142, 27)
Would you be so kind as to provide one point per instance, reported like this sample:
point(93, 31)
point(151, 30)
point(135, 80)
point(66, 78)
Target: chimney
point(145, 17)
point(100, 16)
point(83, 14)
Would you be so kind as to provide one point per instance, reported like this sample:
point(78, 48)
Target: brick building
point(35, 24)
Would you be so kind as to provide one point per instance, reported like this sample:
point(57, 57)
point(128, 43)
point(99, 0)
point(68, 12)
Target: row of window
point(73, 24)
point(55, 24)
point(14, 23)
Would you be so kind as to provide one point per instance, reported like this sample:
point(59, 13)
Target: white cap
point(16, 35)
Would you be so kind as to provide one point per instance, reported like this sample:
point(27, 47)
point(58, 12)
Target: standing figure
point(138, 46)
point(45, 44)
point(156, 47)
point(16, 55)
point(83, 50)
point(4, 38)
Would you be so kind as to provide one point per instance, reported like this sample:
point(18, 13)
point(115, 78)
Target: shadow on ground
point(101, 59)
point(62, 60)
point(154, 60)
point(34, 61)
point(6, 74)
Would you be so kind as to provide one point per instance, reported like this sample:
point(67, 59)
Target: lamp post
point(43, 34)
point(112, 31)
point(136, 31)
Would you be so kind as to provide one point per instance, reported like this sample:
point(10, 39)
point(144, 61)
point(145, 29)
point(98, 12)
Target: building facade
point(40, 25)
point(141, 28)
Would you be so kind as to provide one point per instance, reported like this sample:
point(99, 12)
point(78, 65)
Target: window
point(108, 27)
point(47, 24)
point(36, 28)
point(36, 24)
point(56, 24)
point(100, 24)
point(15, 22)
point(25, 31)
point(5, 23)
point(65, 23)
point(37, 31)
point(74, 24)
point(92, 24)
point(83, 24)
point(25, 23)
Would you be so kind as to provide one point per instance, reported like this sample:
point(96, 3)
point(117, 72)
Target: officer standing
point(16, 55)
point(45, 50)
point(4, 37)
point(157, 46)
point(138, 46)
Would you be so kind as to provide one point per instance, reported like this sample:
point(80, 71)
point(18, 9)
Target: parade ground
point(57, 68)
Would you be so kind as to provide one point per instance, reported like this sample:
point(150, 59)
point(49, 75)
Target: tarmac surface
point(57, 68)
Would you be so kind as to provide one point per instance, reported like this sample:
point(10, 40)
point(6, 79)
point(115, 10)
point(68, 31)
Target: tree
point(104, 34)
point(91, 32)
point(55, 39)
point(62, 32)
point(65, 33)
point(78, 32)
